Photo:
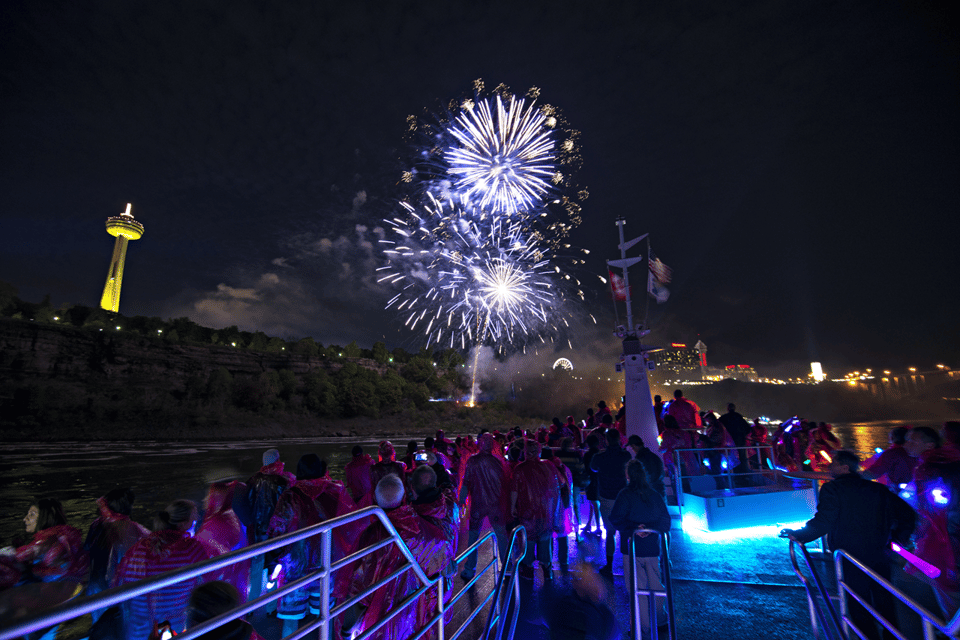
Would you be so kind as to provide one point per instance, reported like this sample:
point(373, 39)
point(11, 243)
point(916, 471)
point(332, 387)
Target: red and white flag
point(618, 286)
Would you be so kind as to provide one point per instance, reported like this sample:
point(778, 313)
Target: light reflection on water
point(77, 473)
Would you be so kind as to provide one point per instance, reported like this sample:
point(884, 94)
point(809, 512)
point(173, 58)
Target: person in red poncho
point(535, 504)
point(440, 515)
point(56, 551)
point(937, 482)
point(357, 477)
point(486, 481)
point(387, 464)
point(110, 536)
point(171, 546)
point(389, 495)
point(686, 412)
point(222, 532)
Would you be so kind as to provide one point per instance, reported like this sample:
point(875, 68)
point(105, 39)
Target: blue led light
point(940, 496)
point(723, 463)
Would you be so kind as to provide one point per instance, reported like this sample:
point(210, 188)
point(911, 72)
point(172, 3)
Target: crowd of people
point(545, 480)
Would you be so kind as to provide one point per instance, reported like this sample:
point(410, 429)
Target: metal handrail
point(931, 622)
point(651, 594)
point(87, 604)
point(818, 619)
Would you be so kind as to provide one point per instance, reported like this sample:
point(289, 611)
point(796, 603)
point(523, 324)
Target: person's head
point(386, 451)
point(179, 515)
point(412, 447)
point(429, 443)
point(546, 454)
point(431, 458)
point(557, 423)
point(270, 456)
point(389, 492)
point(613, 438)
point(570, 420)
point(898, 435)
point(590, 411)
point(423, 479)
point(657, 399)
point(950, 433)
point(311, 467)
point(593, 441)
point(120, 500)
point(636, 475)
point(844, 462)
point(670, 422)
point(357, 451)
point(566, 445)
point(678, 393)
point(731, 408)
point(635, 441)
point(921, 439)
point(210, 600)
point(602, 405)
point(45, 513)
point(607, 420)
point(439, 435)
point(485, 443)
point(531, 449)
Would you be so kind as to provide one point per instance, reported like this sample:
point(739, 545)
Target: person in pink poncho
point(222, 532)
point(389, 494)
point(535, 504)
point(486, 481)
point(56, 551)
point(171, 546)
point(110, 536)
point(357, 477)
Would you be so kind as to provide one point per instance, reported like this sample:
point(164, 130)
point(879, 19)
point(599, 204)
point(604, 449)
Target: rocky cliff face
point(30, 350)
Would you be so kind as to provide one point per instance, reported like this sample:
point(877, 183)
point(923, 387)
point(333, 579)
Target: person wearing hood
point(372, 568)
point(387, 464)
point(485, 482)
point(222, 532)
point(357, 477)
point(535, 504)
point(110, 536)
point(299, 508)
point(936, 479)
point(263, 491)
point(440, 514)
point(171, 546)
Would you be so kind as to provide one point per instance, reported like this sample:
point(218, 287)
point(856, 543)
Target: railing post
point(325, 624)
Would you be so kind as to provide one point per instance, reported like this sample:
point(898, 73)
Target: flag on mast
point(660, 271)
point(656, 289)
point(618, 286)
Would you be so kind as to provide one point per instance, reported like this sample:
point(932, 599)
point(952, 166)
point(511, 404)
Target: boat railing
point(716, 462)
point(324, 623)
point(932, 624)
point(650, 593)
point(823, 614)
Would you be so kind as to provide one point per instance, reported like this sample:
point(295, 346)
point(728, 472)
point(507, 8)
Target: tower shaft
point(111, 290)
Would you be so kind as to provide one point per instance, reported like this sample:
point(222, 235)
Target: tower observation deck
point(124, 228)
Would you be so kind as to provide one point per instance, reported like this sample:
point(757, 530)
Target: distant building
point(679, 362)
point(741, 372)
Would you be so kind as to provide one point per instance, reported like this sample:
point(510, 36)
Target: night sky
point(796, 164)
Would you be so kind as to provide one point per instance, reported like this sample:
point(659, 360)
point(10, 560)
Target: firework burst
point(462, 283)
point(503, 160)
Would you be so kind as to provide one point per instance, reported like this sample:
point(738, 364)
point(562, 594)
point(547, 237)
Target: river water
point(77, 473)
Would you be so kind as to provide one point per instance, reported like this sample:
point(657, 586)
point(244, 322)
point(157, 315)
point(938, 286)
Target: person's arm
point(619, 516)
point(828, 511)
point(881, 466)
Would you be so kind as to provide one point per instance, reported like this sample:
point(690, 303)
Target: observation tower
point(124, 228)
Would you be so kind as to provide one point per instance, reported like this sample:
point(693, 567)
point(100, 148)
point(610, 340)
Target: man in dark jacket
point(652, 463)
point(738, 428)
point(861, 518)
point(609, 466)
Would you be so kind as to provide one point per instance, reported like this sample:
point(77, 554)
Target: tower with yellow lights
point(124, 228)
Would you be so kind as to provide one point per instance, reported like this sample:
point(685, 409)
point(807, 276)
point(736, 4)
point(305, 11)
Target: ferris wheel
point(564, 364)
